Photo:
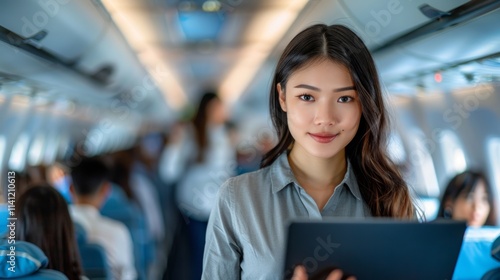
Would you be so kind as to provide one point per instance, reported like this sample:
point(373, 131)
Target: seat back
point(475, 259)
point(117, 207)
point(493, 274)
point(4, 214)
point(94, 263)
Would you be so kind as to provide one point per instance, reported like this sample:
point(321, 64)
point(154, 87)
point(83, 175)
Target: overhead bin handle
point(431, 12)
point(35, 39)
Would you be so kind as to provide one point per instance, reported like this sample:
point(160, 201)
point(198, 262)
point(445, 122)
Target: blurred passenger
point(210, 162)
point(118, 206)
point(146, 193)
point(331, 160)
point(36, 174)
point(58, 176)
point(250, 154)
point(89, 189)
point(43, 219)
point(469, 197)
point(209, 159)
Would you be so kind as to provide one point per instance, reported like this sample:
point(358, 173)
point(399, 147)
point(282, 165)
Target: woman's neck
point(320, 171)
point(318, 176)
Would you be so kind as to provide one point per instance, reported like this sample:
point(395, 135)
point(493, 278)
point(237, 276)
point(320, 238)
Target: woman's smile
point(323, 137)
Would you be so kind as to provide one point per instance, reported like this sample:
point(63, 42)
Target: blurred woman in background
point(469, 197)
point(43, 219)
point(204, 158)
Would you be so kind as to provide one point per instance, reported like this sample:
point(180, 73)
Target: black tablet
point(375, 248)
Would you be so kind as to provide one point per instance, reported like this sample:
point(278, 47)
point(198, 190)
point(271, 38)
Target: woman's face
point(473, 207)
point(323, 109)
point(216, 112)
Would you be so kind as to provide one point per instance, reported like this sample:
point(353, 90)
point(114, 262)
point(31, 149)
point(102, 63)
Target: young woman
point(206, 153)
point(43, 219)
point(469, 197)
point(329, 114)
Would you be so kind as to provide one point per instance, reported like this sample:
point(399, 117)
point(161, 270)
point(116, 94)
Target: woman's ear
point(281, 96)
point(448, 210)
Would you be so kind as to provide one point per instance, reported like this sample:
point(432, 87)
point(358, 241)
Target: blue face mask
point(62, 185)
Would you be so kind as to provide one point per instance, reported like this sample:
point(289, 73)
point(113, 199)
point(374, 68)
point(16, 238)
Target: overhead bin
point(442, 48)
point(77, 35)
point(75, 49)
point(380, 21)
point(63, 28)
point(451, 46)
point(113, 55)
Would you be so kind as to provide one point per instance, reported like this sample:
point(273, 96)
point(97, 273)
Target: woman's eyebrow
point(344, 89)
point(317, 89)
point(307, 87)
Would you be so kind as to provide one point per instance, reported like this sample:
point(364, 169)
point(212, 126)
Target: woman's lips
point(323, 137)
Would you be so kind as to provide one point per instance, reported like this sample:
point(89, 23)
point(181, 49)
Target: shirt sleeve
point(222, 256)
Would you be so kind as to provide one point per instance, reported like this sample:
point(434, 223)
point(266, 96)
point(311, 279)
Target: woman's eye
point(306, 97)
point(345, 99)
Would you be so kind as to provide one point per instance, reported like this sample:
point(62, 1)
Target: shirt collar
point(281, 173)
point(282, 176)
point(86, 210)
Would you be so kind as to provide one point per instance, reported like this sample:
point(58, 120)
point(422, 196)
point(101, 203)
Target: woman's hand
point(300, 273)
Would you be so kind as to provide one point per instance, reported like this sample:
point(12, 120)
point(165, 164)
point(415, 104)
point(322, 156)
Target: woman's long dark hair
point(200, 124)
point(463, 184)
point(380, 183)
point(43, 219)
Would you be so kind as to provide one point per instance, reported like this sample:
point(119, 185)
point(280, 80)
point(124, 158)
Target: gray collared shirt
point(246, 234)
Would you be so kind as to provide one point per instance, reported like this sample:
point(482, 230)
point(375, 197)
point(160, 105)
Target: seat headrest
point(20, 258)
point(81, 235)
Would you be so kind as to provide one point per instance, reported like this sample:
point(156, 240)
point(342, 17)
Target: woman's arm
point(222, 256)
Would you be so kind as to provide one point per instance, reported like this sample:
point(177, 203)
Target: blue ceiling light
point(199, 25)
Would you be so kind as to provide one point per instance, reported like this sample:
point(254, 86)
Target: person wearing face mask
point(469, 197)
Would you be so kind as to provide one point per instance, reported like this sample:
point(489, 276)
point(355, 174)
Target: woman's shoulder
point(249, 182)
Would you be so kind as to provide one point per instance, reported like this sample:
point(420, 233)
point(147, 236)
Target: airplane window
point(93, 142)
point(396, 148)
point(2, 148)
point(51, 149)
point(424, 179)
point(426, 183)
point(494, 159)
point(453, 153)
point(17, 159)
point(36, 150)
point(64, 146)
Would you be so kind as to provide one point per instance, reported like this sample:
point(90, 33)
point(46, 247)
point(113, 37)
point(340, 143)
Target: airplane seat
point(118, 207)
point(493, 274)
point(429, 205)
point(495, 253)
point(4, 214)
point(475, 260)
point(93, 257)
point(25, 262)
